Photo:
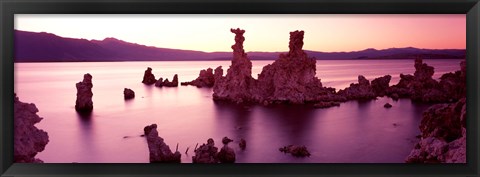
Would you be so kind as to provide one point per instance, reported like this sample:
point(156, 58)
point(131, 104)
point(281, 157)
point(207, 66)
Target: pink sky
point(323, 32)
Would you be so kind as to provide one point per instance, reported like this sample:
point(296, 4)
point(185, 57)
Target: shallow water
point(355, 132)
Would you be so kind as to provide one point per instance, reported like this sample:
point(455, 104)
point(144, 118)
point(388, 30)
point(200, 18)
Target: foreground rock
point(226, 154)
point(297, 151)
point(206, 78)
point(206, 153)
point(159, 151)
point(128, 93)
point(84, 103)
point(148, 77)
point(28, 140)
point(443, 135)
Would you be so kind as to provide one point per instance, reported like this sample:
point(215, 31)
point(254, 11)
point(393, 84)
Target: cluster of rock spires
point(84, 103)
point(422, 87)
point(149, 79)
point(159, 151)
point(290, 79)
point(28, 140)
point(206, 78)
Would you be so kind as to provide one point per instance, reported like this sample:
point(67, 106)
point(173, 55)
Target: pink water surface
point(355, 132)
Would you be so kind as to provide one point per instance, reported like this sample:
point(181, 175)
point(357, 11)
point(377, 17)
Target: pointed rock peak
point(296, 43)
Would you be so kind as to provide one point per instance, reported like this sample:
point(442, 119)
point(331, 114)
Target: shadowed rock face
point(148, 77)
point(381, 84)
point(159, 151)
point(443, 135)
point(84, 102)
point(28, 140)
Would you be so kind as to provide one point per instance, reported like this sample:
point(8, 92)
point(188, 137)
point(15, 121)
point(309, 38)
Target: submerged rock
point(28, 140)
point(159, 151)
point(148, 77)
point(326, 104)
point(297, 151)
point(242, 144)
point(128, 93)
point(387, 105)
point(84, 103)
point(443, 135)
point(206, 153)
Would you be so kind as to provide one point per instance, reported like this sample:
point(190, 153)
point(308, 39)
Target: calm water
point(354, 132)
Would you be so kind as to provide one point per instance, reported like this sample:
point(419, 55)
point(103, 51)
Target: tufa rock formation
point(206, 153)
point(443, 135)
point(290, 79)
point(159, 151)
point(167, 83)
point(421, 87)
point(28, 140)
point(84, 102)
point(128, 93)
point(159, 82)
point(361, 91)
point(148, 77)
point(238, 82)
point(206, 78)
point(380, 85)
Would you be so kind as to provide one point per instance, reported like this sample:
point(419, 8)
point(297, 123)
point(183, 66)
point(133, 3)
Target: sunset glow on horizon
point(210, 33)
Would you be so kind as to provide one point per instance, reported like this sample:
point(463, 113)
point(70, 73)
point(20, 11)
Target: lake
point(354, 132)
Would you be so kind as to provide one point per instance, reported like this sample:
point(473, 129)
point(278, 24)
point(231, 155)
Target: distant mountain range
point(47, 47)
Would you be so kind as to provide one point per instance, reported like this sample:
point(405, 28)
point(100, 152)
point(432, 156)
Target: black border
point(10, 7)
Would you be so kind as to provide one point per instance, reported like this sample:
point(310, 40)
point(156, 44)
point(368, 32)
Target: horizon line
point(367, 48)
